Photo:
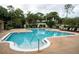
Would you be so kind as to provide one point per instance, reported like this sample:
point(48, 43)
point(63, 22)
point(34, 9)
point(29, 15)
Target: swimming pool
point(28, 41)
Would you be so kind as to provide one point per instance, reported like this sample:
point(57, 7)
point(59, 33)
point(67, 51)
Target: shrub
point(50, 23)
point(72, 22)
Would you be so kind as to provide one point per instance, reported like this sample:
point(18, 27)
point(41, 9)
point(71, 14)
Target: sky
point(43, 8)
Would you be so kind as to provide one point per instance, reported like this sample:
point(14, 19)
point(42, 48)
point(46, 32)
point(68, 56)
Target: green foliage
point(50, 23)
point(32, 18)
point(17, 17)
point(3, 13)
point(40, 16)
point(52, 15)
point(12, 17)
point(71, 22)
point(8, 25)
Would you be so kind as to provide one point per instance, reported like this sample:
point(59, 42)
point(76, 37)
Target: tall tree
point(11, 13)
point(68, 9)
point(52, 19)
point(3, 13)
point(40, 16)
point(10, 8)
point(31, 17)
point(52, 15)
point(19, 17)
point(16, 16)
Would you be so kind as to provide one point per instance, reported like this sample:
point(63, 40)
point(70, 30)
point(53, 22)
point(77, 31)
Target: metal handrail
point(37, 41)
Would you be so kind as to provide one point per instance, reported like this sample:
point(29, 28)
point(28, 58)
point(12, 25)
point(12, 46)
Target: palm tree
point(68, 9)
point(31, 17)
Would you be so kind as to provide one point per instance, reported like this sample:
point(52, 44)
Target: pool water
point(30, 39)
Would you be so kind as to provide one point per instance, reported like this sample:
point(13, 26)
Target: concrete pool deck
point(59, 45)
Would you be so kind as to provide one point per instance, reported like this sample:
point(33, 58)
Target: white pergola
point(38, 24)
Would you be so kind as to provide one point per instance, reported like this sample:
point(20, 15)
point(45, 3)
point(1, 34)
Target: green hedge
point(74, 22)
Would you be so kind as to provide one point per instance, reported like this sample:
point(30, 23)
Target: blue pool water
point(31, 38)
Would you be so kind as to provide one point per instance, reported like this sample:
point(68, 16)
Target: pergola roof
point(38, 24)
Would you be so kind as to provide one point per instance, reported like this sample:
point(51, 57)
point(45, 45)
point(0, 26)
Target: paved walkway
point(59, 45)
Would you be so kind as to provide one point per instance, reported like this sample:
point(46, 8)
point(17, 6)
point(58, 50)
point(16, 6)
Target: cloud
point(44, 8)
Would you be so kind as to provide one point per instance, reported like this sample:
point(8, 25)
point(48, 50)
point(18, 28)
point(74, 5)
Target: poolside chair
point(68, 28)
point(71, 29)
point(77, 29)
